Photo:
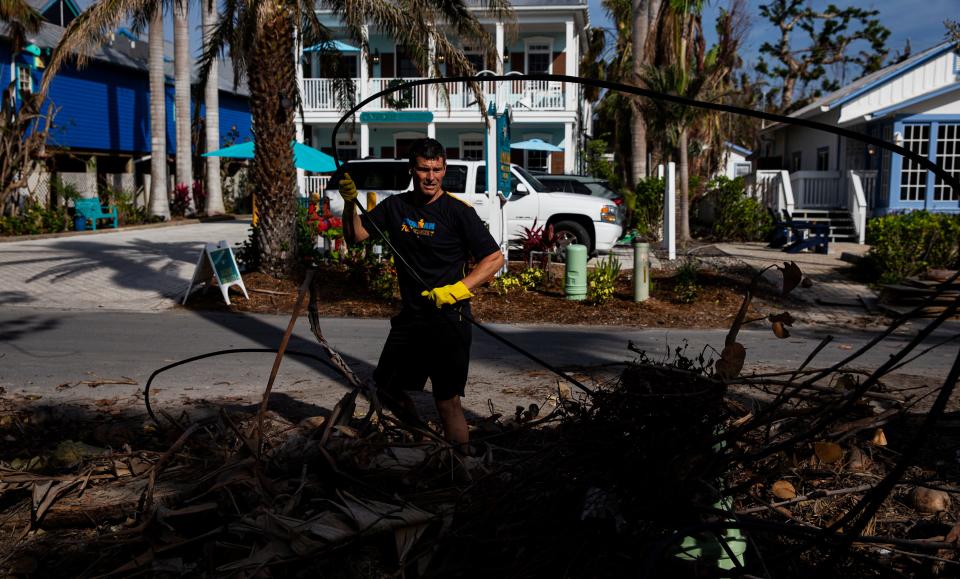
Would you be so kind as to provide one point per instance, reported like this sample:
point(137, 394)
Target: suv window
point(376, 175)
point(455, 181)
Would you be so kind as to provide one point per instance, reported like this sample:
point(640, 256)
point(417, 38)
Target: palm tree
point(211, 98)
point(181, 66)
point(261, 40)
point(159, 205)
point(21, 19)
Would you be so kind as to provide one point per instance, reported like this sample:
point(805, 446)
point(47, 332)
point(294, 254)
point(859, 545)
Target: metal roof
point(870, 81)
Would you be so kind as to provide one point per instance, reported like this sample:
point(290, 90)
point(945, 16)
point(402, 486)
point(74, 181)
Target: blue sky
point(921, 21)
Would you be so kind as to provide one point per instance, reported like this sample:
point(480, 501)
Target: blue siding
point(103, 108)
point(235, 111)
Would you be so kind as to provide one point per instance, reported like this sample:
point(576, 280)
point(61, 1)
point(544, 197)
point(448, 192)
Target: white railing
point(316, 184)
point(857, 203)
point(869, 181)
point(319, 94)
point(773, 189)
point(817, 189)
point(416, 97)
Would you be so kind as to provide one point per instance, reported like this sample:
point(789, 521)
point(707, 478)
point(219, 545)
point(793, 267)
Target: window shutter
point(386, 152)
point(556, 163)
point(516, 62)
point(516, 157)
point(387, 69)
point(559, 63)
point(453, 153)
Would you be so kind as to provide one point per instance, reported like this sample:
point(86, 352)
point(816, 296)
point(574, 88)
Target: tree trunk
point(273, 86)
point(641, 25)
point(159, 205)
point(211, 98)
point(684, 205)
point(181, 67)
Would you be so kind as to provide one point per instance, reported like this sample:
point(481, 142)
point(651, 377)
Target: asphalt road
point(53, 355)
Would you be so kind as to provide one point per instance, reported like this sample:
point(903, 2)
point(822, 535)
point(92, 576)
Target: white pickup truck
point(591, 221)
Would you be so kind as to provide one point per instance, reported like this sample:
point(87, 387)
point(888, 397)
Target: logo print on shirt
point(421, 227)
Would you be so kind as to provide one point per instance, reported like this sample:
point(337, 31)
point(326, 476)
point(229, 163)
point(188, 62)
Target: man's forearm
point(353, 229)
point(484, 270)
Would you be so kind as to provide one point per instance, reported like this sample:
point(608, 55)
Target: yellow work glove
point(448, 294)
point(348, 190)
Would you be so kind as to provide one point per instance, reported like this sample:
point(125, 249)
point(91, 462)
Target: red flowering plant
point(321, 220)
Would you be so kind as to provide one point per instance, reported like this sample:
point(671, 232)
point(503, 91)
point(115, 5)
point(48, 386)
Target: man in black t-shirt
point(437, 234)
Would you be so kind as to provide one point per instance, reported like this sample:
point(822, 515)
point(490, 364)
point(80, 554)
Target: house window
point(823, 159)
point(539, 56)
point(406, 68)
point(471, 147)
point(536, 160)
point(913, 178)
point(948, 157)
point(24, 79)
point(475, 58)
point(796, 159)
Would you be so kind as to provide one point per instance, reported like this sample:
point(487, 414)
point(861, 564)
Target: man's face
point(428, 175)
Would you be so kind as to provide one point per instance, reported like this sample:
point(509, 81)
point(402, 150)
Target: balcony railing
point(537, 95)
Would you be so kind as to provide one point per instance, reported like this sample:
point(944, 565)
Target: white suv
point(591, 221)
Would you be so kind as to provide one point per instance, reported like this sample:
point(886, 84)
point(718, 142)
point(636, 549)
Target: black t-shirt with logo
point(436, 239)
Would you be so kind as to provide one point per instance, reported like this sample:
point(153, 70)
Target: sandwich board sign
point(217, 262)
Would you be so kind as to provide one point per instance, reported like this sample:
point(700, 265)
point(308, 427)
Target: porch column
point(570, 148)
point(301, 175)
point(432, 73)
point(501, 87)
point(570, 100)
point(501, 49)
point(364, 73)
point(364, 140)
point(431, 130)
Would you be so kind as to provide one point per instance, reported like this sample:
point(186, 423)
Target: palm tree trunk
point(641, 27)
point(181, 67)
point(273, 93)
point(159, 205)
point(684, 185)
point(211, 98)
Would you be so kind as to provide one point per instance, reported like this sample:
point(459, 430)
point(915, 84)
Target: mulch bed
point(341, 295)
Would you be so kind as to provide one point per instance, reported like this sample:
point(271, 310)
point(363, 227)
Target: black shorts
point(435, 346)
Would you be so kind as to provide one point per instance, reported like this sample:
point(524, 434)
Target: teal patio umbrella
point(536, 145)
point(304, 157)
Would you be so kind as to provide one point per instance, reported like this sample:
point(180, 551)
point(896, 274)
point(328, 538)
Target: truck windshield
point(533, 181)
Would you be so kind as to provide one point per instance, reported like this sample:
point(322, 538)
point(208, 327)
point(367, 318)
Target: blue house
point(103, 109)
point(914, 104)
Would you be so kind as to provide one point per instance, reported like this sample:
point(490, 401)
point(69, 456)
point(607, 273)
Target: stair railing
point(857, 205)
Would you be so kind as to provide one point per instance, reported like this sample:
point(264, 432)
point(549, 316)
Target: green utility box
point(575, 281)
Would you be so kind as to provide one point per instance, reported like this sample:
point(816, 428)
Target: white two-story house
point(816, 174)
point(548, 39)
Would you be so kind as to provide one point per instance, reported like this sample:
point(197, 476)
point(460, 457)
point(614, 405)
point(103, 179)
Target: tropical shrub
point(685, 288)
point(738, 217)
point(34, 219)
point(181, 200)
point(907, 244)
point(127, 211)
point(645, 206)
point(199, 196)
point(536, 238)
point(526, 280)
point(602, 280)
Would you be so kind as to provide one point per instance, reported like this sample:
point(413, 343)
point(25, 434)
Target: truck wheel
point(567, 232)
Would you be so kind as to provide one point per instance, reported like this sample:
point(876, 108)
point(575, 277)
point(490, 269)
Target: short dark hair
point(427, 149)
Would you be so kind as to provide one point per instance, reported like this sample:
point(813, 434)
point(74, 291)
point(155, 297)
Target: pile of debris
point(922, 296)
point(679, 467)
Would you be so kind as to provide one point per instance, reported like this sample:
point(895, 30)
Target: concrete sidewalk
point(142, 269)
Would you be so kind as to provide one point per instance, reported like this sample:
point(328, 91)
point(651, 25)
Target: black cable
point(146, 389)
point(922, 161)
